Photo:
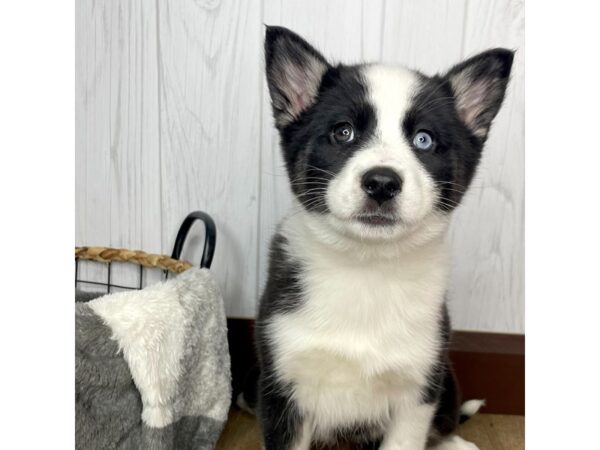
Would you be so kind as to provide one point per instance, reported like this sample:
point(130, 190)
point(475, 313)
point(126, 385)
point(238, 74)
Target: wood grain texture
point(209, 71)
point(487, 234)
point(92, 137)
point(117, 158)
point(487, 431)
point(495, 432)
point(173, 115)
point(425, 35)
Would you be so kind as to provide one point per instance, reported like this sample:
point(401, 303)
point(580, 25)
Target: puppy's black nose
point(381, 184)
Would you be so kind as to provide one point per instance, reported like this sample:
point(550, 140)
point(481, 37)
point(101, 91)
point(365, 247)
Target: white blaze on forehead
point(390, 91)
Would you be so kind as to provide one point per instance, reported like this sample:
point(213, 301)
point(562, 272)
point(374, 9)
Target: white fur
point(410, 426)
point(148, 326)
point(303, 440)
point(240, 401)
point(455, 443)
point(390, 91)
point(366, 335)
point(471, 407)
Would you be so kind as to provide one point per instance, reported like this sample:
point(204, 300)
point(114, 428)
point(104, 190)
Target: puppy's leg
point(448, 412)
point(282, 425)
point(410, 424)
point(454, 443)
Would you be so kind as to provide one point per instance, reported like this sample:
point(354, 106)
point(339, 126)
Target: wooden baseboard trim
point(489, 366)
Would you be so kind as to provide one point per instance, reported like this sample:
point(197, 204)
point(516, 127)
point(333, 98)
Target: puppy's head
point(376, 151)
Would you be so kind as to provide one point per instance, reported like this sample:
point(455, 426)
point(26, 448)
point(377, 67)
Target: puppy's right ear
point(294, 72)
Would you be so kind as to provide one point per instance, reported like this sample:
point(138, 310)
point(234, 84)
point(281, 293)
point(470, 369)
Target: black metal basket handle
point(210, 239)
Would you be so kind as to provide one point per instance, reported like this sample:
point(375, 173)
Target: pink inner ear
point(300, 86)
point(470, 100)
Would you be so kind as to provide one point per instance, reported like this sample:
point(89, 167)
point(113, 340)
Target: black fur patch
point(278, 414)
point(435, 109)
point(283, 291)
point(310, 155)
point(363, 435)
point(442, 388)
point(456, 152)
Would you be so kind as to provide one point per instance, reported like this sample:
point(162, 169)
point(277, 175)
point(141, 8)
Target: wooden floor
point(488, 431)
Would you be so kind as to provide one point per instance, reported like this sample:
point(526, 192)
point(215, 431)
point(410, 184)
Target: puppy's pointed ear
point(294, 72)
point(479, 85)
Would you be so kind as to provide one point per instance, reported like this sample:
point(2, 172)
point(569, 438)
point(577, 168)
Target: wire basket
point(168, 264)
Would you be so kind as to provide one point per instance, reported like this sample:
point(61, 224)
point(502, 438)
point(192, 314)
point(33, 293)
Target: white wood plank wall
point(173, 115)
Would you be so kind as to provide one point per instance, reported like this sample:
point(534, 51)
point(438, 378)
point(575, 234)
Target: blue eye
point(423, 141)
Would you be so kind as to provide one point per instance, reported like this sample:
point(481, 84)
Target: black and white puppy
point(352, 331)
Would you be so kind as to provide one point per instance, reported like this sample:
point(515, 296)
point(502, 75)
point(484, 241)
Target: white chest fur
point(367, 331)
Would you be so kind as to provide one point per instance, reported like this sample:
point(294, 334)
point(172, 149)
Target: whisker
point(449, 182)
point(471, 187)
point(310, 192)
point(448, 204)
point(322, 170)
point(446, 188)
point(302, 178)
point(313, 190)
point(453, 186)
point(318, 183)
point(314, 203)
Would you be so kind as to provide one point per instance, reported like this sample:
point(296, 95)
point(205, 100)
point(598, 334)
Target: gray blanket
point(152, 366)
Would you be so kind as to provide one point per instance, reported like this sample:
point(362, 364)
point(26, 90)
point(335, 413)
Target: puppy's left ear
point(294, 72)
point(479, 85)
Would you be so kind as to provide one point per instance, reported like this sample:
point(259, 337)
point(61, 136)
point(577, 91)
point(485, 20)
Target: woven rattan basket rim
point(107, 254)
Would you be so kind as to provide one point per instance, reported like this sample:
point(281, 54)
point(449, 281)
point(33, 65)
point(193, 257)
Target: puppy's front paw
point(455, 443)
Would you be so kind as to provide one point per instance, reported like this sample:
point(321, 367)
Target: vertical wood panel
point(373, 17)
point(117, 158)
point(210, 132)
point(173, 115)
point(487, 235)
point(426, 35)
point(92, 81)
